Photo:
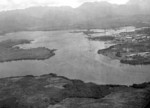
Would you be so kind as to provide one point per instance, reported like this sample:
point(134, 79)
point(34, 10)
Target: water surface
point(76, 57)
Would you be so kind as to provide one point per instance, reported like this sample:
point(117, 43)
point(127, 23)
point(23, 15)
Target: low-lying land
point(131, 48)
point(52, 91)
point(9, 51)
point(89, 32)
point(102, 38)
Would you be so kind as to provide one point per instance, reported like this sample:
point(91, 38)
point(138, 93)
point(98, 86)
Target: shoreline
point(9, 52)
point(38, 59)
point(131, 48)
point(60, 76)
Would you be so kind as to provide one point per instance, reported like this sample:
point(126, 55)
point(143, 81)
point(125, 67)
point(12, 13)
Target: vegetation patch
point(102, 38)
point(32, 92)
point(10, 52)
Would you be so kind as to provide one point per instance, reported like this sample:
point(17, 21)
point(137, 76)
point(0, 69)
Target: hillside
point(88, 15)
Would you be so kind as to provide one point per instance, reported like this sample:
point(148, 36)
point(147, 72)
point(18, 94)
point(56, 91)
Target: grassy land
point(8, 51)
point(51, 91)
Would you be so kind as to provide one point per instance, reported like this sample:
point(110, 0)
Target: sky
point(17, 4)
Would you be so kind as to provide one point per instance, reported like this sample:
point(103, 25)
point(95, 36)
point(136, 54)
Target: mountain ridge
point(88, 15)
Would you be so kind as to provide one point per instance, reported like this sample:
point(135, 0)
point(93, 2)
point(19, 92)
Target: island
point(53, 91)
point(9, 51)
point(130, 47)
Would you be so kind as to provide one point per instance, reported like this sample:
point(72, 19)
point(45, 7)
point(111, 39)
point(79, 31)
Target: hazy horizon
point(21, 4)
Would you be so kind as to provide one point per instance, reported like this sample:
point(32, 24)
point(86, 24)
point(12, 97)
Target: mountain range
point(87, 16)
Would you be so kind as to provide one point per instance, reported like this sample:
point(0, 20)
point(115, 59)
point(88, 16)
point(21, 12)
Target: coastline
point(130, 48)
point(9, 51)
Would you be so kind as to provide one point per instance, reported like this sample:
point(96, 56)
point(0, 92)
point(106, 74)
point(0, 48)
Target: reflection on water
point(76, 58)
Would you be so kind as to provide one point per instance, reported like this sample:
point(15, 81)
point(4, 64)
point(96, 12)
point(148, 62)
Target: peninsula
point(9, 51)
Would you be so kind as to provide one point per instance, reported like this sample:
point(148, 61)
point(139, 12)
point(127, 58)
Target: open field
point(9, 51)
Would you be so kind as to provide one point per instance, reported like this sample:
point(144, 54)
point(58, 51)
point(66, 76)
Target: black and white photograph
point(74, 53)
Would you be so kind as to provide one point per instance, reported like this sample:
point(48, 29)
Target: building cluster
point(131, 38)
